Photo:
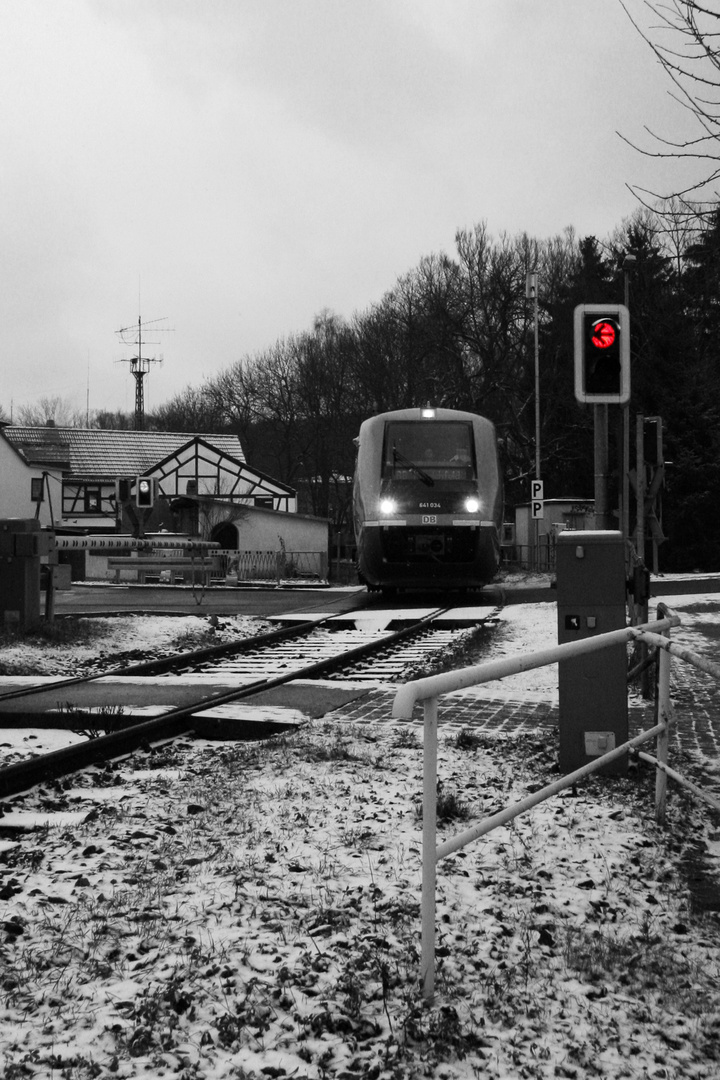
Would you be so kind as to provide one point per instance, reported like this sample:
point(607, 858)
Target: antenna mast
point(140, 365)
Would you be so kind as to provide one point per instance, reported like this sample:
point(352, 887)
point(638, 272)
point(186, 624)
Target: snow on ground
point(523, 628)
point(132, 638)
point(252, 910)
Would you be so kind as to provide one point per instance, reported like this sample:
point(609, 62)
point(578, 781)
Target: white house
point(31, 484)
point(85, 480)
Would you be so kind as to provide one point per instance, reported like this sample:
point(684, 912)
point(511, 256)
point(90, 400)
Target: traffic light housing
point(602, 354)
point(144, 492)
point(653, 441)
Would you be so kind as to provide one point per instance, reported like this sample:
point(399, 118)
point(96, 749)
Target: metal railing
point(538, 557)
point(274, 565)
point(429, 689)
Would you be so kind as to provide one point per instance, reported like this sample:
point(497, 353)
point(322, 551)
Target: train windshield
point(428, 451)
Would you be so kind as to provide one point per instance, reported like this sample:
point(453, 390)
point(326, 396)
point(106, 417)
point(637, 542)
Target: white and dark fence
point(275, 565)
point(539, 557)
point(174, 555)
point(429, 690)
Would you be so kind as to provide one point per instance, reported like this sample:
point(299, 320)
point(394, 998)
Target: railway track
point(358, 654)
point(315, 650)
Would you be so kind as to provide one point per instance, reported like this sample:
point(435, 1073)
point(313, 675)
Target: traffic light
point(653, 441)
point(602, 354)
point(144, 492)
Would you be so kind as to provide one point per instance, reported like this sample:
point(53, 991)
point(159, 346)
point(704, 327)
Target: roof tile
point(91, 452)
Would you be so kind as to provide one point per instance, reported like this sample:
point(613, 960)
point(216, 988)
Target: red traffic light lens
point(603, 334)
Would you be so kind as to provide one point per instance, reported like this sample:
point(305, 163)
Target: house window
point(36, 489)
point(192, 487)
point(92, 500)
point(266, 501)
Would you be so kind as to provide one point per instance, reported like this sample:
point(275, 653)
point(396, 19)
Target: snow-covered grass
point(252, 910)
point(71, 646)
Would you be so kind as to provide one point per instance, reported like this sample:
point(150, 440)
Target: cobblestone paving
point(501, 715)
point(696, 702)
point(695, 742)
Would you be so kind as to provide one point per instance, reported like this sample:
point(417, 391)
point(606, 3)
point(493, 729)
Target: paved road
point(152, 600)
point(266, 602)
point(167, 599)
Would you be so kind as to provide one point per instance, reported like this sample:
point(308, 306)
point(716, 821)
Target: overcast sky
point(234, 167)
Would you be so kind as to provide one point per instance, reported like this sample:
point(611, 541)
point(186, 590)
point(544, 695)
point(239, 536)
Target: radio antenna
point(140, 365)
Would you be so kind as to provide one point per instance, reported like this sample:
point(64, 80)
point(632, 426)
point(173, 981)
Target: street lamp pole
point(531, 293)
point(537, 388)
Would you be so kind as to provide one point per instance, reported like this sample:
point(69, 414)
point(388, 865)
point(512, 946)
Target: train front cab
point(430, 501)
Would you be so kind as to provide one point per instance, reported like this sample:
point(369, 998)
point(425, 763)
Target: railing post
point(663, 737)
point(429, 861)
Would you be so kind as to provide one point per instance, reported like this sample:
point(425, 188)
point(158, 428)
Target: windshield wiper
point(425, 477)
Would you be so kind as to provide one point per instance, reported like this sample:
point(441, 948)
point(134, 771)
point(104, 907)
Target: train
point(427, 500)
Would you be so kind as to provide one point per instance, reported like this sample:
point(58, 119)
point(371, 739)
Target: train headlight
point(472, 505)
point(388, 506)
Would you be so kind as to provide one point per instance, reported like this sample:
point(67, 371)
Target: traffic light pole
point(641, 609)
point(602, 378)
point(602, 456)
point(625, 472)
point(628, 264)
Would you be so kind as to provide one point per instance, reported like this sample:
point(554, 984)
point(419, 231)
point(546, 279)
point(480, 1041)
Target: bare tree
point(682, 223)
point(675, 225)
point(113, 420)
point(691, 60)
point(192, 410)
point(235, 396)
point(50, 411)
point(496, 319)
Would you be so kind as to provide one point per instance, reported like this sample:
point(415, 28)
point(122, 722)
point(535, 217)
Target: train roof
point(427, 414)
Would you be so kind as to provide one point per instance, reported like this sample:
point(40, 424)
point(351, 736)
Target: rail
point(428, 690)
point(176, 721)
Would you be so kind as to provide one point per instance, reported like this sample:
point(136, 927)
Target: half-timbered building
point(77, 473)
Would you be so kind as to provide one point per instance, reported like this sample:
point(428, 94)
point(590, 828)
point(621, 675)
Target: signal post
point(591, 571)
point(602, 378)
point(136, 496)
